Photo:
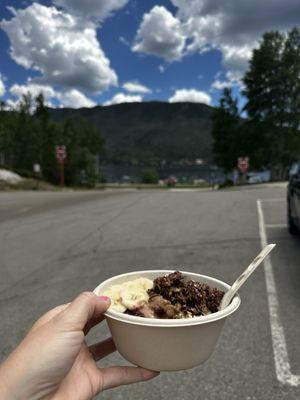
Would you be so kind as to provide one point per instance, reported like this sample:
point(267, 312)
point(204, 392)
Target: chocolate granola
point(173, 297)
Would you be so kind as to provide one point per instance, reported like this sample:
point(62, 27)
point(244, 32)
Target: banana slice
point(129, 295)
point(133, 297)
point(114, 294)
point(145, 283)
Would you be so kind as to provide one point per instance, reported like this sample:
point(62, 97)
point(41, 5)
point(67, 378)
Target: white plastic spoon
point(245, 275)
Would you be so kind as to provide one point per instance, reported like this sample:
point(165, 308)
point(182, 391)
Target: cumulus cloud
point(240, 21)
point(190, 95)
point(124, 98)
point(17, 91)
point(34, 89)
point(62, 47)
point(75, 99)
point(160, 34)
point(98, 9)
point(220, 85)
point(232, 79)
point(136, 87)
point(69, 98)
point(2, 87)
point(236, 57)
point(124, 41)
point(234, 27)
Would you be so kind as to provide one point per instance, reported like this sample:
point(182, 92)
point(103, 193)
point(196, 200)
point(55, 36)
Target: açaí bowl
point(166, 344)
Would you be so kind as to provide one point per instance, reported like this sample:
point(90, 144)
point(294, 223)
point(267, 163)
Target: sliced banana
point(114, 294)
point(133, 297)
point(145, 283)
point(128, 295)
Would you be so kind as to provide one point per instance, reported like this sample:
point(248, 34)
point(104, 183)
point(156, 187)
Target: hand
point(54, 363)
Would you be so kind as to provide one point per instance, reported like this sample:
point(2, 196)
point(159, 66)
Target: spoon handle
point(245, 275)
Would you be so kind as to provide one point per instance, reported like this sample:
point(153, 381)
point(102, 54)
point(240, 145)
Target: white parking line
point(281, 358)
point(272, 200)
point(275, 226)
point(188, 190)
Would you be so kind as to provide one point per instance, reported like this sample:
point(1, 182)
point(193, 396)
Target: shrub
point(149, 176)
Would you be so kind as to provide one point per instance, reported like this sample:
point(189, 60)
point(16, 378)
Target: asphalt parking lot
point(55, 245)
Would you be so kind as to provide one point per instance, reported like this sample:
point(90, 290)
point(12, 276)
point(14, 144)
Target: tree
point(3, 133)
point(23, 131)
point(291, 73)
point(272, 91)
point(29, 136)
point(149, 176)
point(226, 132)
point(84, 145)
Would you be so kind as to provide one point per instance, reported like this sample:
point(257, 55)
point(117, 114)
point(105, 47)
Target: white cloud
point(75, 99)
point(124, 41)
point(68, 98)
point(98, 9)
point(160, 34)
point(34, 89)
point(136, 87)
point(233, 27)
point(220, 85)
point(190, 95)
point(2, 86)
point(63, 48)
point(124, 98)
point(232, 79)
point(161, 69)
point(11, 104)
point(236, 57)
point(17, 91)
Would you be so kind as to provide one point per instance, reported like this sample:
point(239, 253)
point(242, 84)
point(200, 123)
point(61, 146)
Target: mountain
point(150, 132)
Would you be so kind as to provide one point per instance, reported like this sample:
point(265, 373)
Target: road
point(55, 245)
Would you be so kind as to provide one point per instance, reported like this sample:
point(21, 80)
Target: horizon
point(134, 103)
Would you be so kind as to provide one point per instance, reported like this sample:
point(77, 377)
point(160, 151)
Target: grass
point(141, 186)
point(27, 184)
point(38, 185)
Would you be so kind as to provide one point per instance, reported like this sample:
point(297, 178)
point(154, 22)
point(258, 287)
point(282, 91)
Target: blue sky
point(83, 53)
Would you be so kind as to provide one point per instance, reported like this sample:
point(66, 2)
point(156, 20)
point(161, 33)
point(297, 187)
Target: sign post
point(61, 155)
point(243, 166)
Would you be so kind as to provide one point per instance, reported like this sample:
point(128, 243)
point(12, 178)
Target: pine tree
point(291, 73)
point(272, 91)
point(226, 132)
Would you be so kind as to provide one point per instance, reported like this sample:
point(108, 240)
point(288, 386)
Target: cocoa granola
point(173, 296)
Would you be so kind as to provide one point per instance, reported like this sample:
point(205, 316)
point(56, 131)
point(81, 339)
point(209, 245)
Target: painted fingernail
point(104, 298)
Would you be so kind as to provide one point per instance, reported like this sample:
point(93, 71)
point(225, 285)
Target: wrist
point(14, 378)
point(6, 390)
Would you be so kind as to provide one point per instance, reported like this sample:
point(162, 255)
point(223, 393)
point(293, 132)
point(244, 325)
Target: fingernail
point(148, 374)
point(104, 298)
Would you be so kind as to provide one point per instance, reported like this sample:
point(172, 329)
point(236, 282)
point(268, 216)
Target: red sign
point(243, 164)
point(61, 154)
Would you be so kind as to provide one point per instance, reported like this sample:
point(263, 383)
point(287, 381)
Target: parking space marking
point(281, 358)
point(275, 226)
point(188, 190)
point(272, 200)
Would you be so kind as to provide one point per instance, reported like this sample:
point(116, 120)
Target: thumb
point(86, 311)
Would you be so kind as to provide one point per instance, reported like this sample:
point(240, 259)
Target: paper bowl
point(166, 344)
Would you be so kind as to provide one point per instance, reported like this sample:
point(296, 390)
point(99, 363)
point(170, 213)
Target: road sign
point(61, 154)
point(37, 168)
point(243, 164)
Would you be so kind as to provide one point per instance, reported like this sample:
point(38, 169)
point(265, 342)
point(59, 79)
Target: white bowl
point(166, 344)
